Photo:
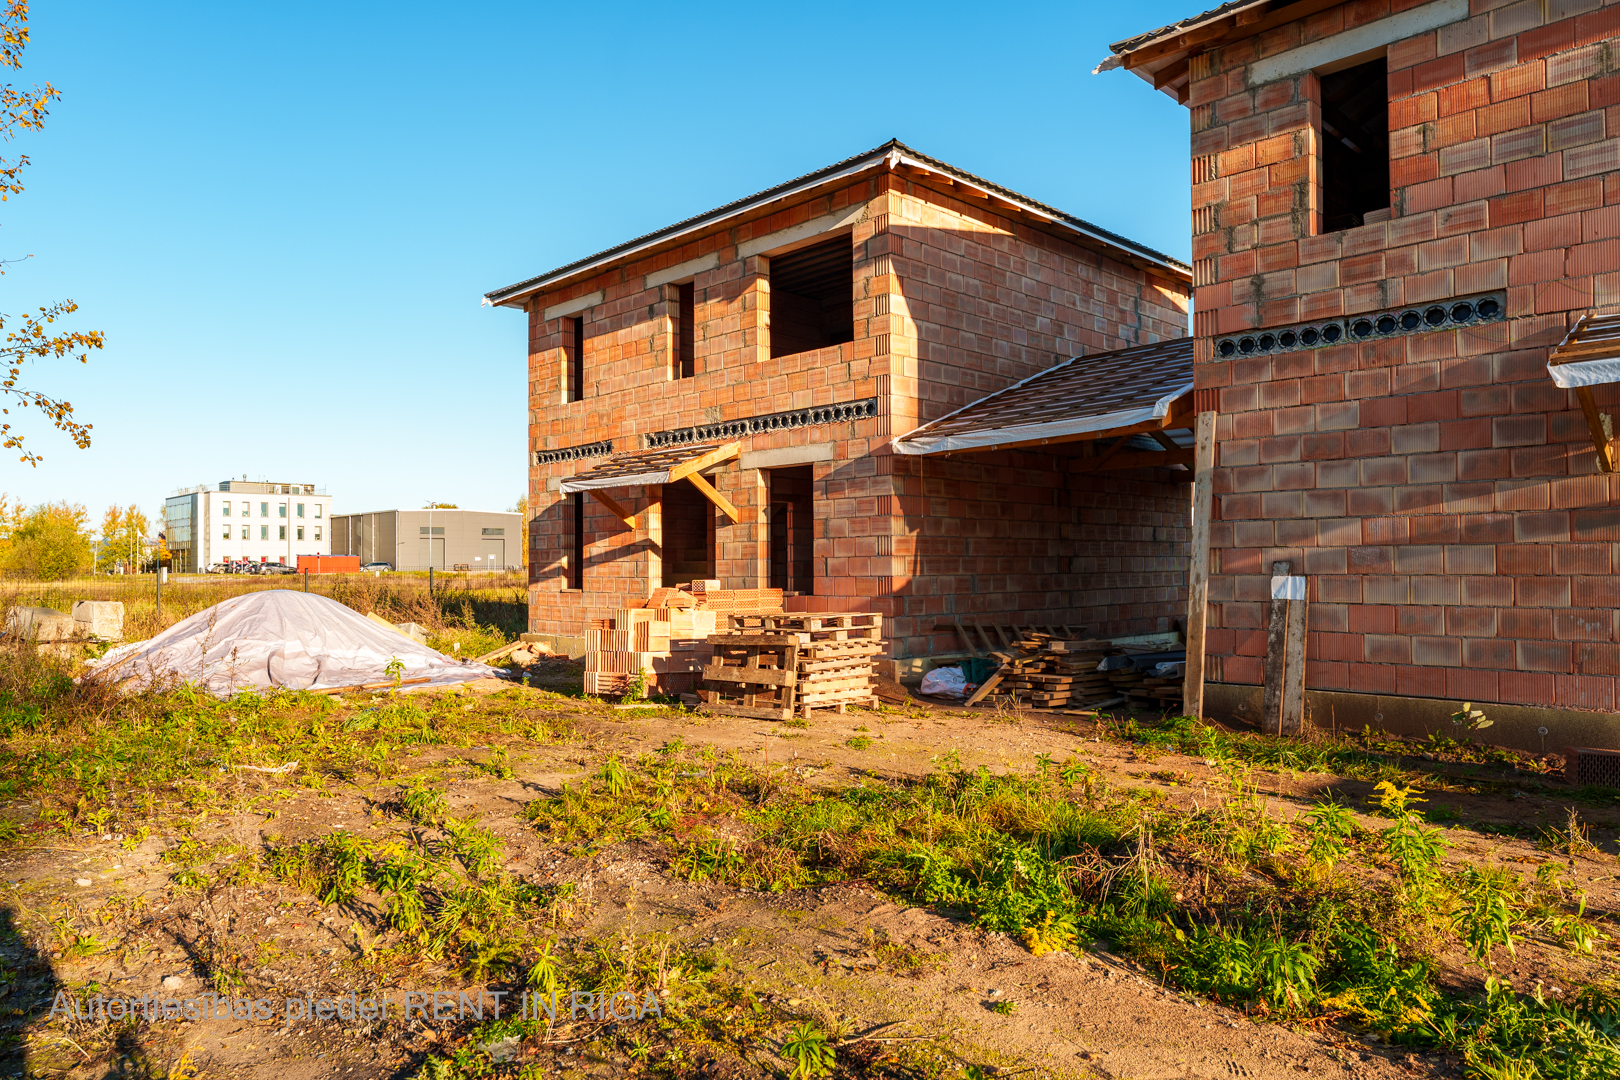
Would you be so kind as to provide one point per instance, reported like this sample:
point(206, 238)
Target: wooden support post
point(1293, 684)
point(1283, 712)
point(1192, 690)
point(715, 497)
point(1276, 654)
point(1598, 425)
point(613, 507)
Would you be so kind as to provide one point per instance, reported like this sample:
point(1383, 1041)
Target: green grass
point(1316, 918)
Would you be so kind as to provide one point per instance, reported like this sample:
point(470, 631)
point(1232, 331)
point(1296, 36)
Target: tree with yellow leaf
point(30, 337)
point(51, 542)
point(123, 531)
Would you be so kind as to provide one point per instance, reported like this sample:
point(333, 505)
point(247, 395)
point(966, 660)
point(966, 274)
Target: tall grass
point(497, 605)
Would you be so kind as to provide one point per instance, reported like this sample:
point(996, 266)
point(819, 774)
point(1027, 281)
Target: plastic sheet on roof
point(279, 639)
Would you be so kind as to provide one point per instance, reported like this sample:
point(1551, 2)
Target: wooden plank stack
point(834, 658)
point(1063, 673)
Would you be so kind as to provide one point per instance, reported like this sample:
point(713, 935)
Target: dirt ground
point(846, 955)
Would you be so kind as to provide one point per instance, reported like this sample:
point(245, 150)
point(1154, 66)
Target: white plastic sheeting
point(1579, 373)
point(279, 638)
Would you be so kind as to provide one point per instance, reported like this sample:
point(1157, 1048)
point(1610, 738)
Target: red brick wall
point(953, 299)
point(1441, 494)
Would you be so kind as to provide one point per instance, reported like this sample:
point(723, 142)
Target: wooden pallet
point(815, 626)
point(752, 675)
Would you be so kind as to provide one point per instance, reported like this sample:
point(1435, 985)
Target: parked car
point(373, 567)
point(217, 568)
point(279, 568)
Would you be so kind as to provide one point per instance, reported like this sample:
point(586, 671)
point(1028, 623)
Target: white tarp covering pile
point(279, 638)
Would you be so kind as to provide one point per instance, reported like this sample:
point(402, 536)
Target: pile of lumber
point(1153, 691)
point(1052, 672)
point(770, 666)
point(1059, 673)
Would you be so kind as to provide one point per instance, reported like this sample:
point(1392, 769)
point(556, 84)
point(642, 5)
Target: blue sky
point(283, 216)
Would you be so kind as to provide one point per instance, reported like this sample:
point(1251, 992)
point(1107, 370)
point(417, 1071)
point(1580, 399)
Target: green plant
point(395, 671)
point(1470, 719)
point(1485, 917)
point(1004, 1007)
point(806, 1046)
point(614, 776)
point(858, 742)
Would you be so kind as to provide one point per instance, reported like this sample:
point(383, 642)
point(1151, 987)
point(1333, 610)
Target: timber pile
point(1154, 691)
point(1061, 673)
point(665, 637)
point(815, 660)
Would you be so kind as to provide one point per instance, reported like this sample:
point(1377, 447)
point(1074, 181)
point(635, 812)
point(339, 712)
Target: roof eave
point(890, 156)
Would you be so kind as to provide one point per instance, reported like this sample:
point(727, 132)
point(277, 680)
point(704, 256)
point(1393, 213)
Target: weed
point(1485, 917)
point(806, 1046)
point(1004, 1007)
point(858, 742)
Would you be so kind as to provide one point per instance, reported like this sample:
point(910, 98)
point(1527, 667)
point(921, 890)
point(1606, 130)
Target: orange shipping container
point(329, 564)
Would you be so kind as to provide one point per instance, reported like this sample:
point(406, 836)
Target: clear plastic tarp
point(279, 638)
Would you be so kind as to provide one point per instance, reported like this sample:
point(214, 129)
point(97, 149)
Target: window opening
point(686, 332)
point(813, 297)
point(1355, 144)
point(576, 359)
point(576, 562)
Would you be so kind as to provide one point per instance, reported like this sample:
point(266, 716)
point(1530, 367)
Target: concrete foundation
point(1519, 727)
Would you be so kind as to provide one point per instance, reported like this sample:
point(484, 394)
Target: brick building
point(720, 396)
point(1399, 208)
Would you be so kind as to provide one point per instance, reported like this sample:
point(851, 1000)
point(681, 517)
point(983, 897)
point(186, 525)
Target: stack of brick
point(667, 646)
point(798, 662)
point(665, 641)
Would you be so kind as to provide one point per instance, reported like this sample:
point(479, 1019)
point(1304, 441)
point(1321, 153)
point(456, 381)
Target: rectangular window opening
point(300, 509)
point(225, 509)
point(813, 297)
point(792, 529)
point(576, 559)
point(576, 359)
point(300, 535)
point(686, 332)
point(317, 532)
point(688, 540)
point(1355, 145)
point(264, 532)
point(283, 533)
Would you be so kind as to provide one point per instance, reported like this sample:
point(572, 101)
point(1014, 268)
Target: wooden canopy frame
point(689, 471)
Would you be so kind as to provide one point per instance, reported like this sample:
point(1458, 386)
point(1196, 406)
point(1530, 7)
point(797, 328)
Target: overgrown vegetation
point(1319, 917)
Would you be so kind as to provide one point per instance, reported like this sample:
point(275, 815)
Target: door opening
point(688, 534)
point(792, 530)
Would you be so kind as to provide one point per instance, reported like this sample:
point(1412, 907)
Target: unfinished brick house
point(1401, 208)
point(717, 399)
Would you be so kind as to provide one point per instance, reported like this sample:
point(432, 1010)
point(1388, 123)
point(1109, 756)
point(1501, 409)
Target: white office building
point(246, 521)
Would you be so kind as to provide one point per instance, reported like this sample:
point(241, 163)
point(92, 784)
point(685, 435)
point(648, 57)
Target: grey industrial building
point(440, 539)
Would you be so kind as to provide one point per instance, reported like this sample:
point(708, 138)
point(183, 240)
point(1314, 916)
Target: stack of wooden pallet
point(770, 666)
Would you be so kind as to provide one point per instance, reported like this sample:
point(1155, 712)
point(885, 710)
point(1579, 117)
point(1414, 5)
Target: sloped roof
point(1188, 23)
point(1102, 392)
point(892, 153)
